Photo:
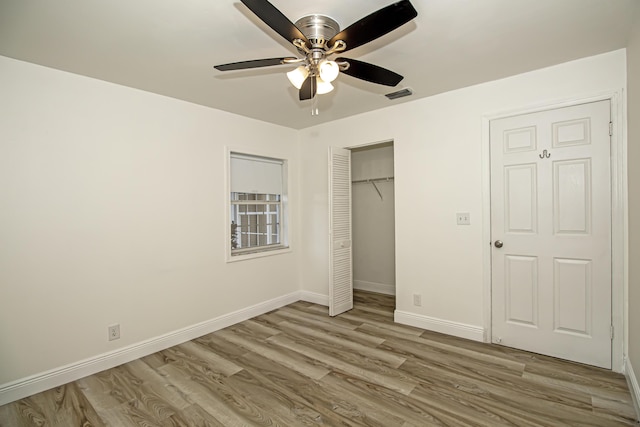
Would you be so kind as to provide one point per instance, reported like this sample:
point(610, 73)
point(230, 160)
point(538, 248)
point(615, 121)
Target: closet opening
point(373, 222)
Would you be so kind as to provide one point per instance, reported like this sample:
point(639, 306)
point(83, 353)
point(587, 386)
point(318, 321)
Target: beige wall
point(633, 105)
point(373, 221)
point(438, 155)
point(112, 206)
point(112, 210)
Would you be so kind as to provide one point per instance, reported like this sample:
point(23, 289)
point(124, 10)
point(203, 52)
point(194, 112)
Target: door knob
point(498, 243)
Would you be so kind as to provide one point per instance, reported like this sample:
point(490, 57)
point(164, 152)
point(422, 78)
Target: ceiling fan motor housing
point(318, 29)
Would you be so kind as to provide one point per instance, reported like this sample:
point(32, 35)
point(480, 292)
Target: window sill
point(260, 254)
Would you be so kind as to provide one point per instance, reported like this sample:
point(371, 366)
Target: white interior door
point(341, 274)
point(551, 231)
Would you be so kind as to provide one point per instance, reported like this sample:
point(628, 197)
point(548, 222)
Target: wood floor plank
point(76, 408)
point(154, 384)
point(146, 397)
point(371, 315)
point(452, 382)
point(374, 300)
point(297, 366)
point(380, 313)
point(272, 318)
point(470, 411)
point(253, 328)
point(321, 314)
point(198, 417)
point(372, 372)
point(331, 328)
point(614, 410)
point(437, 347)
point(396, 327)
point(600, 380)
point(64, 405)
point(482, 348)
point(274, 406)
point(313, 403)
point(457, 408)
point(210, 359)
point(569, 386)
point(227, 405)
point(539, 406)
point(394, 402)
point(453, 366)
point(370, 410)
point(23, 413)
point(132, 413)
point(154, 360)
point(319, 320)
point(105, 391)
point(341, 341)
point(303, 365)
point(222, 347)
point(9, 417)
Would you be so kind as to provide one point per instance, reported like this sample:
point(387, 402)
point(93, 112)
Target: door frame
point(390, 141)
point(619, 217)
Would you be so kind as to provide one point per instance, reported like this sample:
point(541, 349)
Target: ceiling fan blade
point(255, 63)
point(308, 88)
point(371, 73)
point(376, 25)
point(271, 16)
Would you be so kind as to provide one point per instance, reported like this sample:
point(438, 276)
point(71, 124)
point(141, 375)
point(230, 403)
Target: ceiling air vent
point(399, 94)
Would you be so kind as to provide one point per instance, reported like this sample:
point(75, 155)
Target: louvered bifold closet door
point(341, 276)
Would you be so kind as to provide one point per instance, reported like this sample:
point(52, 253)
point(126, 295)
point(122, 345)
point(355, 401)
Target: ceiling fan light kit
point(316, 37)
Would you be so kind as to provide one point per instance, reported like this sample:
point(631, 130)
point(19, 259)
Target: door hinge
point(611, 330)
point(610, 128)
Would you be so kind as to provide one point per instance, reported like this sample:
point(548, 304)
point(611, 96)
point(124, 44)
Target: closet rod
point(386, 178)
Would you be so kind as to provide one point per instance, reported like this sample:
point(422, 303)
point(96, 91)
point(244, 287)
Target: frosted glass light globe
point(329, 70)
point(323, 86)
point(298, 76)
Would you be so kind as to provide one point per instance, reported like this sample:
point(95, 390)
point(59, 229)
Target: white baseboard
point(56, 377)
point(380, 288)
point(315, 298)
point(634, 386)
point(461, 330)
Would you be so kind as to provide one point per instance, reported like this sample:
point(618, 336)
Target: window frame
point(258, 251)
point(267, 203)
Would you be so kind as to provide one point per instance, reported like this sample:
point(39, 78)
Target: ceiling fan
point(318, 36)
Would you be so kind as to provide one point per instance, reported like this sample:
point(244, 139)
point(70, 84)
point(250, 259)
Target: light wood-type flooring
point(296, 366)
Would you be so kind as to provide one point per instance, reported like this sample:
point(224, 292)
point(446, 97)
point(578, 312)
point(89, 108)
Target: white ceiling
point(170, 46)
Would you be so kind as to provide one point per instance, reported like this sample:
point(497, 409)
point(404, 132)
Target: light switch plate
point(463, 218)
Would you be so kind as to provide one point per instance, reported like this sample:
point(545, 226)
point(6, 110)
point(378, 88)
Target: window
point(257, 204)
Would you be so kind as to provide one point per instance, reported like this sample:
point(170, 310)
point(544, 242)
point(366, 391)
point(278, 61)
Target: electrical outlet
point(417, 300)
point(463, 218)
point(114, 332)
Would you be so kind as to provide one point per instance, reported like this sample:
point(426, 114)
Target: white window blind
point(255, 175)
